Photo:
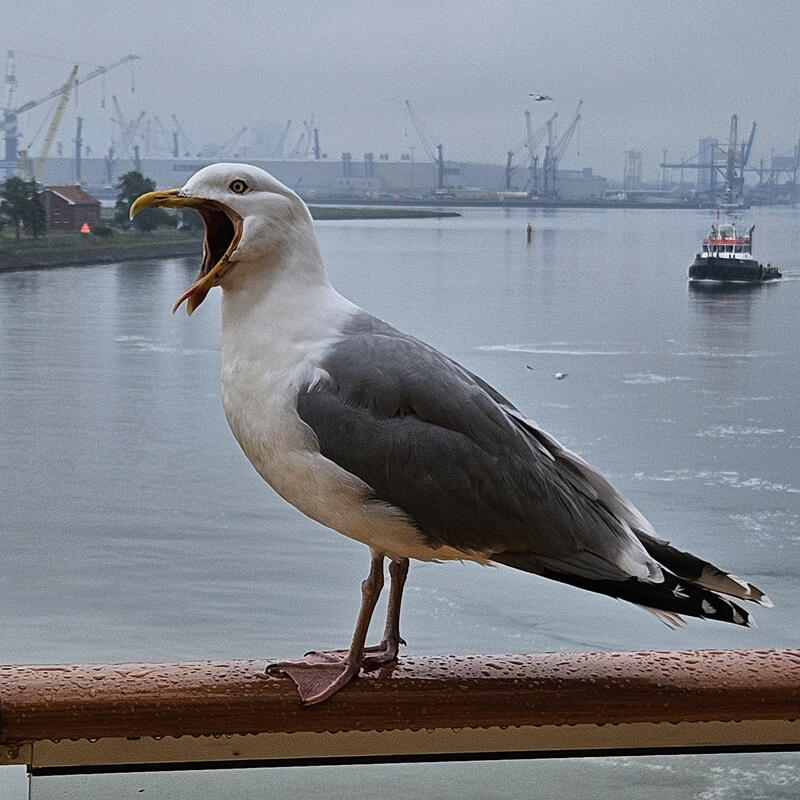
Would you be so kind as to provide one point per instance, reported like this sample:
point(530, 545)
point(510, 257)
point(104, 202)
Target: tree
point(130, 186)
point(21, 206)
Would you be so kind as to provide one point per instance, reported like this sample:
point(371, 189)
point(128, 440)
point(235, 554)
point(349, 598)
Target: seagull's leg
point(387, 650)
point(320, 675)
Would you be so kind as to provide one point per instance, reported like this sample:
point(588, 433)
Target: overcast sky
point(652, 75)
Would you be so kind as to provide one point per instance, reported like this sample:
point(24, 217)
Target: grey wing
point(457, 458)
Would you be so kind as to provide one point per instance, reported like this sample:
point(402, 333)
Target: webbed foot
point(318, 676)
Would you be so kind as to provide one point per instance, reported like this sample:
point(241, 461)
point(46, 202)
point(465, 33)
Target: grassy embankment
point(64, 249)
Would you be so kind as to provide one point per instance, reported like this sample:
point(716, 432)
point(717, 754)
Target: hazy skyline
point(652, 75)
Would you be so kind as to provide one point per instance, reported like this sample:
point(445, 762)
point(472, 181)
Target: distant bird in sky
point(386, 440)
point(559, 376)
point(539, 97)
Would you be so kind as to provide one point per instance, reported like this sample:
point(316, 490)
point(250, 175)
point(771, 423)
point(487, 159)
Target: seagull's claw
point(375, 656)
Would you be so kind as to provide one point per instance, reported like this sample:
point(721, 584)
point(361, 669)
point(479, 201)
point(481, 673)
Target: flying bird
point(559, 376)
point(537, 98)
point(381, 437)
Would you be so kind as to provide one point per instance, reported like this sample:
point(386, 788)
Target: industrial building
point(532, 173)
point(344, 178)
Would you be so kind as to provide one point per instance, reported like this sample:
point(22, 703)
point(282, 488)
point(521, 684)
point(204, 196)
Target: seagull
point(559, 376)
point(384, 439)
point(537, 98)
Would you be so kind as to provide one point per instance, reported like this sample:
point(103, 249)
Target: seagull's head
point(247, 214)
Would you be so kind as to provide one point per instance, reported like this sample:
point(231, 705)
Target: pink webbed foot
point(318, 676)
point(321, 674)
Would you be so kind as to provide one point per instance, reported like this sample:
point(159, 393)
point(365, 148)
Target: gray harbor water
point(133, 529)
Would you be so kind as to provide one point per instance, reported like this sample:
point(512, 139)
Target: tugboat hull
point(728, 269)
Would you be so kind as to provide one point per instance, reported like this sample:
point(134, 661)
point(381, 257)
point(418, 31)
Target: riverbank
point(75, 250)
point(104, 253)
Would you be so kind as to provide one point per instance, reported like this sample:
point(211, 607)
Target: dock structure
point(60, 719)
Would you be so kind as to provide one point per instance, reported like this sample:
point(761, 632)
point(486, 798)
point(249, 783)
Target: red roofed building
point(67, 208)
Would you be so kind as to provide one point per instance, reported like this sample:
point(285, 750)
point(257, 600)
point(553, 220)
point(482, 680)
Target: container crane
point(731, 170)
point(730, 165)
point(553, 153)
point(11, 114)
point(736, 162)
point(438, 157)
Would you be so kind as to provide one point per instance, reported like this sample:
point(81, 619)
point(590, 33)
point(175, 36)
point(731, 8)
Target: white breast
point(270, 351)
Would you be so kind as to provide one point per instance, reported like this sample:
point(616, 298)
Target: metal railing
point(98, 718)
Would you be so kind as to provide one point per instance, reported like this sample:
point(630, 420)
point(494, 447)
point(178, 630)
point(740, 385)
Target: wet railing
point(94, 718)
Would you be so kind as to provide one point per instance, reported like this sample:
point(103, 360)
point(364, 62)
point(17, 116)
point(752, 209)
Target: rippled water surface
point(134, 529)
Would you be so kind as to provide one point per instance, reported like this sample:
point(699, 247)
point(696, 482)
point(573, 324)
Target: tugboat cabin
point(723, 242)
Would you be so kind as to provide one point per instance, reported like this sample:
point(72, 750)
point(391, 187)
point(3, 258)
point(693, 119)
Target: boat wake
point(545, 350)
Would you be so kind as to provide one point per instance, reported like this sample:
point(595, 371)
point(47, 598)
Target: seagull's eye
point(238, 186)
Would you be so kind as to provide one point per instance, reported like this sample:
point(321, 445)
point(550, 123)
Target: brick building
point(67, 208)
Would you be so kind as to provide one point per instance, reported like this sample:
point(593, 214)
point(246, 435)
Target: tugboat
point(728, 256)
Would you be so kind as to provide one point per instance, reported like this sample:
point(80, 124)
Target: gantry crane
point(730, 171)
point(553, 153)
point(11, 114)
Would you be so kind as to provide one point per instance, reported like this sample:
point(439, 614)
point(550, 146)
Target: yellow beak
point(168, 199)
point(226, 226)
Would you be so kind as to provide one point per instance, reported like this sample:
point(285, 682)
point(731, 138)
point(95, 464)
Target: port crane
point(186, 140)
point(128, 128)
point(165, 142)
point(531, 160)
point(304, 141)
point(35, 172)
point(534, 140)
point(278, 151)
point(11, 113)
point(553, 153)
point(729, 171)
point(438, 157)
point(232, 142)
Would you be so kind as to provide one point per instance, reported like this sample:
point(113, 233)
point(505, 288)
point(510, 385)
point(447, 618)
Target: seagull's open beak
point(223, 232)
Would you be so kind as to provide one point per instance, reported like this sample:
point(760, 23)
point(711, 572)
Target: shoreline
point(108, 252)
point(97, 254)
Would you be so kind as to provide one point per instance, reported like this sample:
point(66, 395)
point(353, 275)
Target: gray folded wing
point(459, 460)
